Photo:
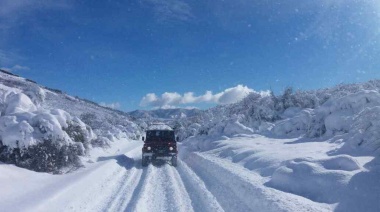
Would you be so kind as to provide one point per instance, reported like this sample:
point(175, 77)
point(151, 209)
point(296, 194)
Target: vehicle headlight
point(148, 148)
point(171, 148)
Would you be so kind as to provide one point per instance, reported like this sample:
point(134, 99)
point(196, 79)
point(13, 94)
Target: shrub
point(47, 156)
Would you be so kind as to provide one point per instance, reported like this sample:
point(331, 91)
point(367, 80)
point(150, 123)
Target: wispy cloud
point(8, 58)
point(16, 68)
point(174, 99)
point(113, 105)
point(14, 13)
point(5, 59)
point(171, 10)
point(11, 11)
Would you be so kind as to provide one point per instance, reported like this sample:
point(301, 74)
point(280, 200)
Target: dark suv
point(159, 145)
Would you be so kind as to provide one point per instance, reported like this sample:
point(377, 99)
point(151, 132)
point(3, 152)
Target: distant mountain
point(165, 114)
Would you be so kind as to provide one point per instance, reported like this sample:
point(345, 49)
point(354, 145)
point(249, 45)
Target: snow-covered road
point(119, 183)
point(203, 181)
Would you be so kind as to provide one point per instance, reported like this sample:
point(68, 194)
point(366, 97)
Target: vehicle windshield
point(160, 135)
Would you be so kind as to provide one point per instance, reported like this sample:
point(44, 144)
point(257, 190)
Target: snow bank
point(310, 180)
point(235, 127)
point(323, 180)
point(340, 162)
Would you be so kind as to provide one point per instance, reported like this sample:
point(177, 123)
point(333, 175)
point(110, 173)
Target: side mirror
point(177, 138)
point(143, 138)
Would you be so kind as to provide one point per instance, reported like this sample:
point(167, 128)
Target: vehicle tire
point(174, 161)
point(144, 161)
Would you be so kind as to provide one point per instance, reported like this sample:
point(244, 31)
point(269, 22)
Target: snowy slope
point(101, 119)
point(46, 130)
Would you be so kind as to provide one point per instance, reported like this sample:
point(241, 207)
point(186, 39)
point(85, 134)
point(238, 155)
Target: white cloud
point(171, 10)
point(113, 105)
point(234, 94)
point(172, 100)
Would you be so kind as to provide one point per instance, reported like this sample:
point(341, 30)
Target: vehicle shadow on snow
point(159, 163)
point(123, 161)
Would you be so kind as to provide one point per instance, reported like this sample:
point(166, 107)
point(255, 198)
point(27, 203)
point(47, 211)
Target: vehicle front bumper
point(159, 155)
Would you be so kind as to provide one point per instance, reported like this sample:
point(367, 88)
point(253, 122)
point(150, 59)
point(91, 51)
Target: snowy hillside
point(348, 112)
point(45, 129)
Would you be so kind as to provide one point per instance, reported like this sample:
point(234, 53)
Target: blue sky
point(196, 53)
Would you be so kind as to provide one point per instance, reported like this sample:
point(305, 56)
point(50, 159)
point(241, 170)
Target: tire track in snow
point(96, 186)
point(201, 198)
point(124, 195)
point(117, 185)
point(96, 202)
point(132, 203)
point(224, 195)
point(161, 190)
point(178, 193)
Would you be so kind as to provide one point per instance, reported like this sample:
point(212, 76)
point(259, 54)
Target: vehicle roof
point(159, 127)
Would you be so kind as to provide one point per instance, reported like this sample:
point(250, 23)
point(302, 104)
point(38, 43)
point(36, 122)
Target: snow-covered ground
point(312, 170)
point(238, 173)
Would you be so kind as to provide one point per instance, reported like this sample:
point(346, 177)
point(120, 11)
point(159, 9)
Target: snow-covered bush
point(102, 142)
point(296, 125)
point(47, 156)
point(365, 131)
point(112, 126)
point(39, 139)
point(233, 127)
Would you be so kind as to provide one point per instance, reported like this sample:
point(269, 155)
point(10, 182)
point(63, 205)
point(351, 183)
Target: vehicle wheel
point(174, 161)
point(144, 161)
